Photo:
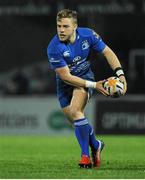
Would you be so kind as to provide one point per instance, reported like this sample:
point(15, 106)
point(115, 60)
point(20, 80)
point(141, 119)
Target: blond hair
point(67, 13)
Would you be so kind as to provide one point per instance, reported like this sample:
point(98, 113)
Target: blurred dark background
point(27, 26)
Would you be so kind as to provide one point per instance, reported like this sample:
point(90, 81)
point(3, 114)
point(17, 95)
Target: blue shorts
point(65, 91)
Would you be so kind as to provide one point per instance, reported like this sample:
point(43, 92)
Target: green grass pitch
point(57, 157)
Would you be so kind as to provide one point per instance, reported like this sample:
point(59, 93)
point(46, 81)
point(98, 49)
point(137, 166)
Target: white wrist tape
point(119, 72)
point(90, 84)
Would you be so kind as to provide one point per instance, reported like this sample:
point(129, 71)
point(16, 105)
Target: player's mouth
point(62, 35)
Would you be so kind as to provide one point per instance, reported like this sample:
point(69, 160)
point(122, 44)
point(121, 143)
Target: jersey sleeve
point(55, 58)
point(97, 42)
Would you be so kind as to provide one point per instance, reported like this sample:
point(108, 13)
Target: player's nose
point(61, 29)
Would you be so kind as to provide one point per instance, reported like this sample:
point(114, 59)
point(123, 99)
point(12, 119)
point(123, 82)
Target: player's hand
point(99, 87)
point(123, 80)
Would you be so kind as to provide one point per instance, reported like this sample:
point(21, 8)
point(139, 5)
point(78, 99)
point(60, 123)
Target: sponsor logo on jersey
point(85, 45)
point(77, 58)
point(66, 54)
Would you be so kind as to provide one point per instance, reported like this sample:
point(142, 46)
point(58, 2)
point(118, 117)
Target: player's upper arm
point(97, 42)
point(63, 73)
point(55, 58)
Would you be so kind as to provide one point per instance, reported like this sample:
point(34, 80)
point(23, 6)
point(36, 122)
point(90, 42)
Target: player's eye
point(66, 26)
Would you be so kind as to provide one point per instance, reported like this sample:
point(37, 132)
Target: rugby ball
point(114, 87)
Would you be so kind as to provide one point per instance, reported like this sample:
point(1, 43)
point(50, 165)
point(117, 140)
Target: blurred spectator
point(1, 88)
point(17, 85)
point(35, 80)
point(40, 81)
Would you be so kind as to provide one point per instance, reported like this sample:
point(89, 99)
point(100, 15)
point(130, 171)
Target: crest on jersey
point(85, 45)
point(66, 54)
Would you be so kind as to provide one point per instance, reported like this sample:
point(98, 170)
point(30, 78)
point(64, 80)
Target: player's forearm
point(75, 81)
point(78, 82)
point(115, 65)
point(66, 76)
point(112, 59)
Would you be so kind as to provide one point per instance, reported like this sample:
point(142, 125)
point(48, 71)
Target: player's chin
point(62, 38)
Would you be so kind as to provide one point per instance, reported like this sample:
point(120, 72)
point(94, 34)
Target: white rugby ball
point(114, 86)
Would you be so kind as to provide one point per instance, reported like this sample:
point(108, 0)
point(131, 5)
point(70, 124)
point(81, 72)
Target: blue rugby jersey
point(74, 55)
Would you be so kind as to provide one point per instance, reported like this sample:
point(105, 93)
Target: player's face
point(65, 29)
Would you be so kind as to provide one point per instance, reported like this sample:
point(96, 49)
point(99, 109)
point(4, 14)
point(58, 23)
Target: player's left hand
point(123, 80)
point(99, 87)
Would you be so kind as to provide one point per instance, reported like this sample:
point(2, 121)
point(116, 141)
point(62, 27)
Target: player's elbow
point(64, 74)
point(66, 77)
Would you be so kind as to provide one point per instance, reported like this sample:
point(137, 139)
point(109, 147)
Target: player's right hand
point(99, 87)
